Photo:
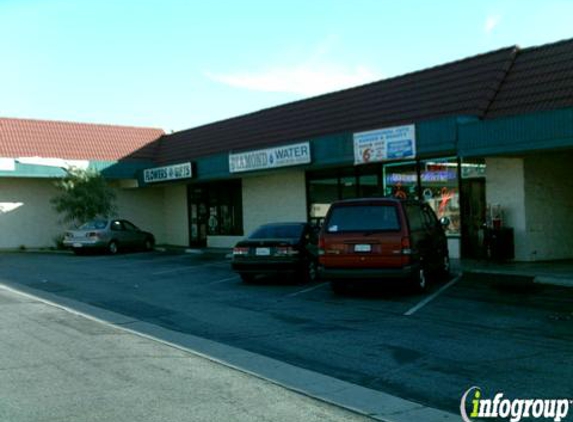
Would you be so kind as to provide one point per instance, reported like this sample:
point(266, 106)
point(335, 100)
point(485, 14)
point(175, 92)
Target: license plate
point(263, 251)
point(362, 248)
point(77, 245)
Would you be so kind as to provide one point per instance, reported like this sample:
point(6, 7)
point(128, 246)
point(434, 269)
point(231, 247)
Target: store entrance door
point(473, 210)
point(198, 216)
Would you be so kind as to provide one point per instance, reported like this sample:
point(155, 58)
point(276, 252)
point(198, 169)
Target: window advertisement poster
point(393, 143)
point(289, 155)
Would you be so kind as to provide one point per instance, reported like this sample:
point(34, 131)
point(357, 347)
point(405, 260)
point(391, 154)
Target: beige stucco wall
point(505, 185)
point(549, 205)
point(269, 198)
point(275, 197)
point(454, 247)
point(28, 219)
point(536, 193)
point(175, 215)
point(26, 215)
point(144, 208)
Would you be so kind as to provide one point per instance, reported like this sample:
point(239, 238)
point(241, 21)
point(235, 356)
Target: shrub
point(82, 196)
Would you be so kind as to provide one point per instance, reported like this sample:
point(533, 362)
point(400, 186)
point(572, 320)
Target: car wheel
point(148, 244)
point(247, 278)
point(113, 247)
point(419, 281)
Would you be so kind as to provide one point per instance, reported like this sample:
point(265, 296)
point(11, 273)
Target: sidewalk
point(59, 366)
point(558, 273)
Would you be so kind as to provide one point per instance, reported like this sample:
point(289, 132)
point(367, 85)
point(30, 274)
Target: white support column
point(505, 185)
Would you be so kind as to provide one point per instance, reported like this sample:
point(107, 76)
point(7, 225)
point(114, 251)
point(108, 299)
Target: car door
point(417, 228)
point(133, 236)
point(435, 238)
point(118, 232)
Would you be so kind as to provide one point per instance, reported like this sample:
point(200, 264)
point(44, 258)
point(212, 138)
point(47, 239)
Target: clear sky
point(177, 64)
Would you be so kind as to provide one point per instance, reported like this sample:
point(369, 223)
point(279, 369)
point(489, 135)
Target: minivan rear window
point(358, 218)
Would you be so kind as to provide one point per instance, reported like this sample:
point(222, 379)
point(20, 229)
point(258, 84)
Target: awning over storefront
point(544, 131)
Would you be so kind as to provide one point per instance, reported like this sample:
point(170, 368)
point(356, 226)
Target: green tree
point(82, 196)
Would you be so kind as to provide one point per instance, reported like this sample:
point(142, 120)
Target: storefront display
point(434, 181)
point(401, 180)
point(440, 189)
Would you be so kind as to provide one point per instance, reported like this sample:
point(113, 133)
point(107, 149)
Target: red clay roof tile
point(76, 141)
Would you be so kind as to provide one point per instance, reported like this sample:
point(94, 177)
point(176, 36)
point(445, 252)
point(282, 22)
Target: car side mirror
point(445, 222)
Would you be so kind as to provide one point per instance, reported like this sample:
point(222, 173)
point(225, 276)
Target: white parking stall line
point(310, 289)
point(432, 296)
point(235, 277)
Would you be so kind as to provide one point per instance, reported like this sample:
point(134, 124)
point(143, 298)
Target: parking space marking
point(300, 292)
point(432, 296)
point(235, 277)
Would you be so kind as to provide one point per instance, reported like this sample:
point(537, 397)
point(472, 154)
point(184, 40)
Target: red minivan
point(379, 239)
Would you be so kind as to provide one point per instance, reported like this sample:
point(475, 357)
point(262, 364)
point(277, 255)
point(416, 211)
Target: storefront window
point(322, 192)
point(328, 186)
point(368, 185)
point(348, 187)
point(401, 180)
point(434, 181)
point(440, 189)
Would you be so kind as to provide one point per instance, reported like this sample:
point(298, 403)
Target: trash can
point(499, 245)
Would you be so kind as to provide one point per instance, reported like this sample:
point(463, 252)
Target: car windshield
point(94, 225)
point(358, 218)
point(287, 231)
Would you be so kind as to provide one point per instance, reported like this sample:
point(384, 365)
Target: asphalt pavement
point(502, 333)
point(59, 366)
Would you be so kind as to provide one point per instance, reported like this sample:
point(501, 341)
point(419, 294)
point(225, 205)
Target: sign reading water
point(289, 155)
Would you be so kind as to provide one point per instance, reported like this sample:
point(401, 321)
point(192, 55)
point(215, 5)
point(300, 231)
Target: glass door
point(198, 216)
point(473, 209)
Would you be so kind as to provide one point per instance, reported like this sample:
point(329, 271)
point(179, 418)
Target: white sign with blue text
point(289, 155)
point(393, 143)
point(164, 174)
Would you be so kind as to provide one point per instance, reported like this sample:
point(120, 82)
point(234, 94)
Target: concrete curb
point(194, 251)
point(37, 251)
point(555, 281)
point(552, 280)
point(372, 403)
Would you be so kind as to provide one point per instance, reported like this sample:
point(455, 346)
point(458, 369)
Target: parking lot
point(503, 334)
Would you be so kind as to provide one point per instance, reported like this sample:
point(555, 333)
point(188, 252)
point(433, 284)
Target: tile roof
point(79, 141)
point(541, 78)
point(504, 82)
point(464, 87)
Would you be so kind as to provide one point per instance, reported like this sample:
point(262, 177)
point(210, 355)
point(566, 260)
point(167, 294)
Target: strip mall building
point(490, 132)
